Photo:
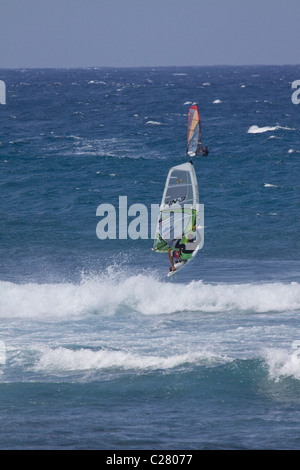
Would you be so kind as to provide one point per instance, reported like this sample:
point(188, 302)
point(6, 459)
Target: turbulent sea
point(98, 348)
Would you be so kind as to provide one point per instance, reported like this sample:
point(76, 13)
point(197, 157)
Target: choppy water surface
point(98, 348)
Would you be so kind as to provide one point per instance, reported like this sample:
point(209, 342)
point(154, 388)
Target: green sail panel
point(179, 207)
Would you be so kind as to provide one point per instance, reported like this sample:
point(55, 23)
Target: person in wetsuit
point(184, 248)
point(204, 151)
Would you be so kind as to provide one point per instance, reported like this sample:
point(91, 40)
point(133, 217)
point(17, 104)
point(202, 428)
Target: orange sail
point(193, 132)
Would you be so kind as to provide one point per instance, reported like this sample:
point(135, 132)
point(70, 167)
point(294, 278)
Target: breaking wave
point(279, 363)
point(65, 359)
point(110, 294)
point(282, 363)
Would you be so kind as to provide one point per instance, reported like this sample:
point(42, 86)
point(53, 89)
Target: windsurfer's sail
point(193, 132)
point(179, 207)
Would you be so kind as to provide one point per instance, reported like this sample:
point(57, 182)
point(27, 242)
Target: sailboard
point(179, 209)
point(179, 220)
point(193, 132)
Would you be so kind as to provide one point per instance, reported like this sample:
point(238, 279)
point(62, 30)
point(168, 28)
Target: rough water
point(98, 348)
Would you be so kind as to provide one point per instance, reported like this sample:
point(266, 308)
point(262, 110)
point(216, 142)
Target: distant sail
point(193, 131)
point(179, 207)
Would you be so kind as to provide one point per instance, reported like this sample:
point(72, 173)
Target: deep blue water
point(98, 348)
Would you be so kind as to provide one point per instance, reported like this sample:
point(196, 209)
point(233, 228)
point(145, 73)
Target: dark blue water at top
point(74, 139)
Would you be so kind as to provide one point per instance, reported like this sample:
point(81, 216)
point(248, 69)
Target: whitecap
point(154, 123)
point(75, 137)
point(282, 363)
point(96, 82)
point(259, 130)
point(106, 294)
point(63, 359)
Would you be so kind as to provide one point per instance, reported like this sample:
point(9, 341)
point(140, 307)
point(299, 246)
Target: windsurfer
point(184, 248)
point(204, 151)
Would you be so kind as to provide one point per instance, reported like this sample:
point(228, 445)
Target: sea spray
point(106, 295)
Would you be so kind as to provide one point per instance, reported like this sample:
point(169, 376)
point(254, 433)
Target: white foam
point(259, 130)
point(282, 363)
point(107, 294)
point(154, 123)
point(217, 102)
point(269, 185)
point(96, 82)
point(64, 359)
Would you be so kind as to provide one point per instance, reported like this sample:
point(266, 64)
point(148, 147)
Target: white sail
point(179, 207)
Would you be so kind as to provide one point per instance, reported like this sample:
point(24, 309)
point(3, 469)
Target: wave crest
point(282, 363)
point(111, 294)
point(259, 130)
point(64, 359)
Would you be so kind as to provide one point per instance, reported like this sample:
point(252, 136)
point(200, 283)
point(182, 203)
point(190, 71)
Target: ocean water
point(98, 348)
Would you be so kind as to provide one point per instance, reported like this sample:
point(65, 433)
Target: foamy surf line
point(280, 363)
point(142, 294)
point(67, 360)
